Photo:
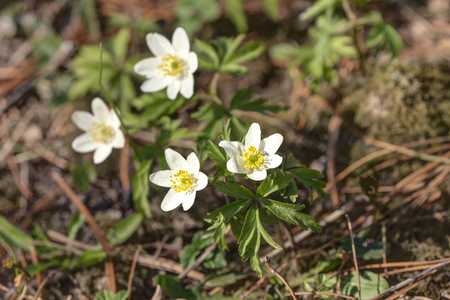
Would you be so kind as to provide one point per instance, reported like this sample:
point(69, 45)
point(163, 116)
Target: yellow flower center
point(100, 132)
point(183, 181)
point(171, 65)
point(253, 158)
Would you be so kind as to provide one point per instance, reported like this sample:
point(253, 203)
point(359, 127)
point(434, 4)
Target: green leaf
point(264, 233)
point(241, 97)
point(235, 11)
point(290, 213)
point(124, 229)
point(249, 240)
point(110, 295)
point(256, 266)
point(291, 162)
point(234, 190)
point(188, 256)
point(215, 154)
point(247, 52)
point(75, 225)
point(372, 284)
point(319, 7)
point(120, 43)
point(309, 178)
point(174, 287)
point(42, 266)
point(291, 191)
point(208, 50)
point(215, 260)
point(233, 69)
point(271, 9)
point(89, 258)
point(83, 175)
point(209, 112)
point(223, 277)
point(273, 183)
point(385, 35)
point(140, 186)
point(13, 236)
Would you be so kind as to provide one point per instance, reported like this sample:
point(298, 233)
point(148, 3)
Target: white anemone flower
point(184, 179)
point(256, 156)
point(102, 131)
point(172, 67)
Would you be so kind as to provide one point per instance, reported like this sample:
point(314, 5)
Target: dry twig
point(355, 261)
point(133, 268)
point(276, 273)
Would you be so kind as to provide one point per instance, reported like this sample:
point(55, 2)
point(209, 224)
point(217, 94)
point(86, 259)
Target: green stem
point(114, 107)
point(354, 26)
point(213, 89)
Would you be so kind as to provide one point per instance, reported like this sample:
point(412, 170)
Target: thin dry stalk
point(276, 273)
point(355, 261)
point(411, 280)
point(133, 268)
point(333, 132)
point(168, 265)
point(326, 293)
point(48, 155)
point(40, 289)
point(61, 238)
point(35, 261)
point(123, 166)
point(109, 266)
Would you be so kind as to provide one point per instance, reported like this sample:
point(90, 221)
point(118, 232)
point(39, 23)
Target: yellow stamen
point(253, 158)
point(183, 181)
point(171, 65)
point(100, 132)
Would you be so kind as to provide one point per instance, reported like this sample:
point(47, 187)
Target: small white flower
point(102, 131)
point(256, 156)
point(184, 179)
point(172, 66)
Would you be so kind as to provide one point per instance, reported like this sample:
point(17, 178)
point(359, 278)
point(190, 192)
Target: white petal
point(100, 110)
point(180, 42)
point(271, 143)
point(258, 175)
point(188, 200)
point(159, 44)
point(187, 86)
point(84, 144)
point(173, 89)
point(175, 161)
point(274, 161)
point(232, 148)
point(237, 165)
point(253, 136)
point(119, 140)
point(162, 178)
point(83, 119)
point(192, 62)
point(172, 200)
point(156, 83)
point(202, 181)
point(101, 153)
point(147, 67)
point(114, 119)
point(193, 163)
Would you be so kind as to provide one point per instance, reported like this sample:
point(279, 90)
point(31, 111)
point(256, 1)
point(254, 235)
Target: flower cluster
point(185, 179)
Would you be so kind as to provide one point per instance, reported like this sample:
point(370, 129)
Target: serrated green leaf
point(264, 233)
point(234, 190)
point(240, 98)
point(318, 8)
point(174, 287)
point(233, 69)
point(372, 284)
point(123, 230)
point(209, 51)
point(236, 228)
point(273, 183)
point(247, 52)
point(223, 277)
point(255, 264)
point(83, 175)
point(13, 236)
point(140, 186)
point(235, 11)
point(291, 191)
point(309, 178)
point(215, 260)
point(290, 213)
point(249, 240)
point(211, 111)
point(291, 162)
point(215, 154)
point(394, 42)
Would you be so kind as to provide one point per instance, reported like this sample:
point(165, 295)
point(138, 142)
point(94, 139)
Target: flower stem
point(213, 89)
point(114, 107)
